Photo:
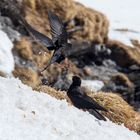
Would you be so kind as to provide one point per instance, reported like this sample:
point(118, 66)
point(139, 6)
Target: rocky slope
point(93, 56)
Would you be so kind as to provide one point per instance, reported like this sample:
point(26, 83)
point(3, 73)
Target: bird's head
point(76, 81)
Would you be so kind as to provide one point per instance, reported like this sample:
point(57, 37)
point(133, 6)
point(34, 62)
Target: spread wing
point(38, 36)
point(57, 28)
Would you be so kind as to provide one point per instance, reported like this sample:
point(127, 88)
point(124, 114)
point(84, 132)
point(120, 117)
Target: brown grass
point(94, 24)
point(121, 51)
point(119, 111)
point(134, 123)
point(27, 76)
point(58, 94)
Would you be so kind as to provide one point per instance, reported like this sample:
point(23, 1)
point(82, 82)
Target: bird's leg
point(41, 71)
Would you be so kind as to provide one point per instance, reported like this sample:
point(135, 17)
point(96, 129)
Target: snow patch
point(30, 115)
point(93, 85)
point(122, 15)
point(6, 57)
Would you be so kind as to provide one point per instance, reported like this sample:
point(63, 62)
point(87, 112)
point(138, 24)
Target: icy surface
point(93, 85)
point(29, 115)
point(6, 57)
point(122, 15)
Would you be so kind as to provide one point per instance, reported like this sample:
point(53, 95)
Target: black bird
point(58, 43)
point(82, 101)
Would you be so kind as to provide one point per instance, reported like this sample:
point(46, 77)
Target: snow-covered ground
point(29, 115)
point(6, 57)
point(122, 14)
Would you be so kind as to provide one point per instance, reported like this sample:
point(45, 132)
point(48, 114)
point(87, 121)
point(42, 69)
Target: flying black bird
point(82, 101)
point(58, 43)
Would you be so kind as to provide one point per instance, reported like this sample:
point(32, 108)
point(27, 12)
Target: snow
point(93, 85)
point(122, 14)
point(30, 115)
point(6, 57)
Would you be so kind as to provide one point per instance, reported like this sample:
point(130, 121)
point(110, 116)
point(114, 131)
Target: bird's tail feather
point(97, 114)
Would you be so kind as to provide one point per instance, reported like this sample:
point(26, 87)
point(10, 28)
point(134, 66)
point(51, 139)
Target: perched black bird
point(82, 101)
point(58, 43)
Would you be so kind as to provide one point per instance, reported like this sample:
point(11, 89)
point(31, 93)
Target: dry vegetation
point(121, 51)
point(95, 24)
point(119, 111)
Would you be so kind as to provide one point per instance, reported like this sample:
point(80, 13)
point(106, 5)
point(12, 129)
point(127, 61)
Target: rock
point(87, 71)
point(2, 74)
point(134, 76)
point(121, 84)
point(122, 79)
point(105, 71)
point(136, 43)
point(7, 26)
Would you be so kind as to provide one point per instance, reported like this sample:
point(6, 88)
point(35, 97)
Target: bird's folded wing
point(89, 102)
point(38, 36)
point(97, 114)
point(58, 29)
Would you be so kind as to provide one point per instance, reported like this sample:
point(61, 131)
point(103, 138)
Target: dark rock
point(44, 81)
point(7, 26)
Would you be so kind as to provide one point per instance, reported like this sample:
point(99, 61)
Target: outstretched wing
point(58, 29)
point(38, 36)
